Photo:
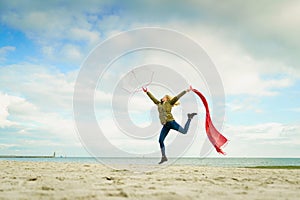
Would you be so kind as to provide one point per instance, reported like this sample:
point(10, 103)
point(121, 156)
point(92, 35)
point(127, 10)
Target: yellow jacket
point(165, 108)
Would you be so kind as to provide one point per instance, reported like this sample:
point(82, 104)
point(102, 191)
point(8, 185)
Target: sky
point(254, 46)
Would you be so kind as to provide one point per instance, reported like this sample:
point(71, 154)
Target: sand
point(50, 180)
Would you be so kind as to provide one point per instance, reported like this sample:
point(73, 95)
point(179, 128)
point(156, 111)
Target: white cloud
point(27, 117)
point(51, 27)
point(240, 71)
point(263, 140)
point(46, 102)
point(71, 53)
point(294, 109)
point(4, 51)
point(77, 34)
point(36, 103)
point(275, 133)
point(6, 146)
point(281, 21)
point(77, 22)
point(43, 86)
point(245, 104)
point(5, 102)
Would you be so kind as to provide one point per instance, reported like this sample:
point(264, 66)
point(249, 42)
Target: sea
point(217, 162)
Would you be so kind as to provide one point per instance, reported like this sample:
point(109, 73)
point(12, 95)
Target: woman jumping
point(166, 118)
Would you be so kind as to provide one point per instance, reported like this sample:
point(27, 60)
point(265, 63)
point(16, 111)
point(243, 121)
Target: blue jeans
point(172, 125)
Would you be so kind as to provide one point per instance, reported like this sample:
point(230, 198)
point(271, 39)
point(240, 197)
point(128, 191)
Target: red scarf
point(215, 137)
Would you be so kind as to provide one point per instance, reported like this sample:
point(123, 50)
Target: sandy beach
point(51, 180)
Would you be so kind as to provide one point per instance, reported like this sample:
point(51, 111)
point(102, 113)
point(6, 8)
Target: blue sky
point(254, 46)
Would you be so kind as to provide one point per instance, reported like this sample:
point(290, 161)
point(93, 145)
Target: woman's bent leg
point(187, 124)
point(186, 127)
point(179, 128)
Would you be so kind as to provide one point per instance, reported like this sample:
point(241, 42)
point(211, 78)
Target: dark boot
point(163, 156)
point(163, 159)
point(191, 115)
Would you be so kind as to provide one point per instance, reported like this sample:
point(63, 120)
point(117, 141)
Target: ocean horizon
point(209, 161)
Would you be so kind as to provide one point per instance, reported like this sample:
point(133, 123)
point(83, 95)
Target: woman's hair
point(169, 98)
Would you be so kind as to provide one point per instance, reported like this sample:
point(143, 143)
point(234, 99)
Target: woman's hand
point(189, 89)
point(145, 89)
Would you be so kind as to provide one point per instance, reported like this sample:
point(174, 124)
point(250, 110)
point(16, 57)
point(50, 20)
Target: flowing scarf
point(214, 136)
